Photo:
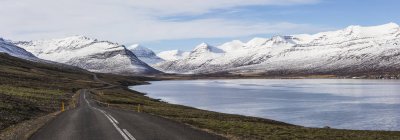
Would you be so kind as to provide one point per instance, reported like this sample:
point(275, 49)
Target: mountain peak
point(232, 46)
point(204, 47)
point(78, 37)
point(278, 38)
point(379, 28)
point(137, 47)
point(257, 41)
point(172, 55)
point(391, 25)
point(140, 51)
point(275, 40)
point(144, 54)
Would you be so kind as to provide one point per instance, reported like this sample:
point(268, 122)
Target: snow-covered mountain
point(13, 50)
point(87, 53)
point(145, 54)
point(350, 50)
point(173, 55)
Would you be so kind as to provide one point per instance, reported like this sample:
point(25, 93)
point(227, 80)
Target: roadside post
point(62, 106)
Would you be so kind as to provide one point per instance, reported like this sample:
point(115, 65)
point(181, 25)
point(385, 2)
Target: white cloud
point(165, 7)
point(132, 20)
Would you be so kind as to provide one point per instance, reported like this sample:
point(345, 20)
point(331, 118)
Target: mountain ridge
point(353, 49)
point(89, 54)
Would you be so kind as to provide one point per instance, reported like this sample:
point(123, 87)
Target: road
point(91, 122)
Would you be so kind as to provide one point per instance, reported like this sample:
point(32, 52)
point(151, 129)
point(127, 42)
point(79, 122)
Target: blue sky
point(183, 24)
point(330, 14)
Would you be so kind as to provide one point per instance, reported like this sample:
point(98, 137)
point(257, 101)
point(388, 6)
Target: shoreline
point(231, 77)
point(322, 127)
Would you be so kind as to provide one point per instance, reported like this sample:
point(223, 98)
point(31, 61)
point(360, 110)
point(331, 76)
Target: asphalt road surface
point(91, 122)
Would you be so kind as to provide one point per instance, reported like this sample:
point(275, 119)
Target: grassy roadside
point(231, 126)
point(29, 90)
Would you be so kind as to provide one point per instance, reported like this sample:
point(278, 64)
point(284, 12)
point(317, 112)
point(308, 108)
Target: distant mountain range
point(354, 49)
point(89, 54)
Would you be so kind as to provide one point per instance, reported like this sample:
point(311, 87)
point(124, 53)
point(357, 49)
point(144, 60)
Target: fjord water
point(337, 103)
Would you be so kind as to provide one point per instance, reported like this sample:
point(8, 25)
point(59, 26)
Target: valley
point(199, 70)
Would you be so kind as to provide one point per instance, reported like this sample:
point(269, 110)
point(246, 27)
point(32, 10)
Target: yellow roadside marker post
point(138, 108)
point(62, 107)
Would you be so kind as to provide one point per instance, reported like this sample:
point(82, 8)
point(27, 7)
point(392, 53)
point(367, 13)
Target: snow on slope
point(173, 55)
point(353, 49)
point(234, 45)
point(145, 54)
point(205, 50)
point(13, 50)
point(90, 54)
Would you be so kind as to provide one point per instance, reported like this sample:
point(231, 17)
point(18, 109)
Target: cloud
point(168, 7)
point(133, 20)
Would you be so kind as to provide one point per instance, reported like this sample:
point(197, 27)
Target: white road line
point(84, 96)
point(118, 129)
point(129, 134)
point(124, 133)
point(115, 125)
point(113, 119)
point(108, 116)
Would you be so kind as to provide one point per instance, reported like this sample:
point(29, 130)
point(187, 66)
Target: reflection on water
point(338, 103)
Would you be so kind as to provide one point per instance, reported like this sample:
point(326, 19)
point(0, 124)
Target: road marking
point(118, 129)
point(84, 96)
point(113, 119)
point(124, 133)
point(114, 123)
point(129, 134)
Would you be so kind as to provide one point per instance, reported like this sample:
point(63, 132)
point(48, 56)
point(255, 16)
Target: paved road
point(91, 122)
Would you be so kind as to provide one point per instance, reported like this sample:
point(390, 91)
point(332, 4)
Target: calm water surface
point(338, 103)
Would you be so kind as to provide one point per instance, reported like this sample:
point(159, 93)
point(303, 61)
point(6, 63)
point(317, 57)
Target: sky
point(182, 24)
